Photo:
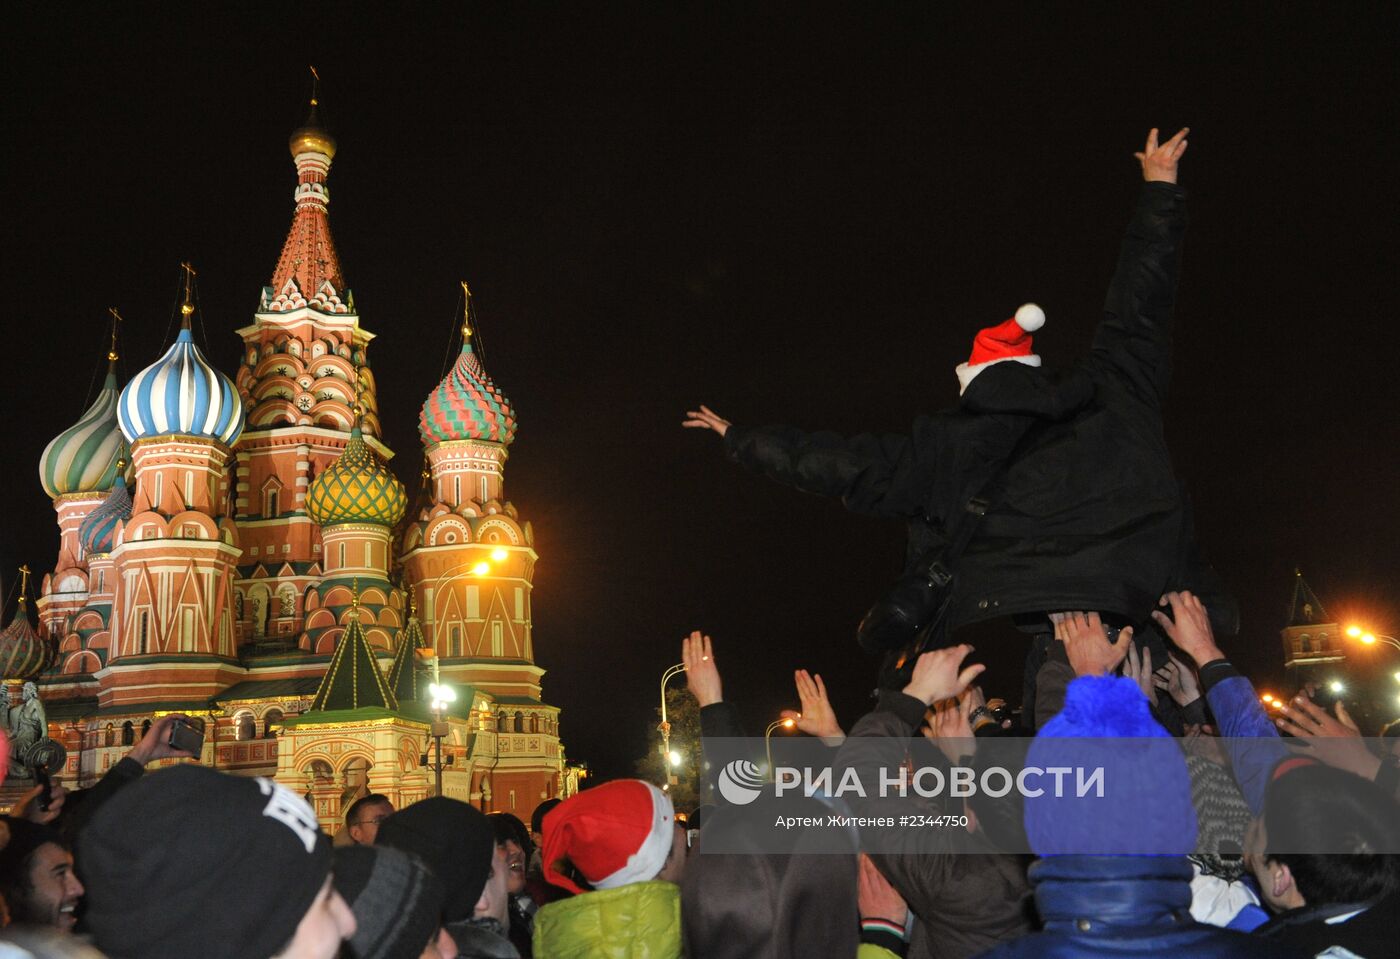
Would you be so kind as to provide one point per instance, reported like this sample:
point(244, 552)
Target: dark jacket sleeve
point(1134, 335)
point(125, 772)
point(874, 475)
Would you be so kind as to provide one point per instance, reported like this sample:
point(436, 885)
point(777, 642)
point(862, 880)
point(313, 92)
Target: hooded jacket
point(1085, 511)
point(641, 920)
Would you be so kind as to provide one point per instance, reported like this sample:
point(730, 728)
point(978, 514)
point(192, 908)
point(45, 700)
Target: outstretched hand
point(1179, 682)
point(1138, 668)
point(1159, 162)
point(937, 676)
point(1336, 741)
point(701, 672)
point(817, 718)
point(706, 419)
point(1086, 643)
point(1188, 626)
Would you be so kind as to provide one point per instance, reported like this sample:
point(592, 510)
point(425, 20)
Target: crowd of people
point(1222, 842)
point(1217, 836)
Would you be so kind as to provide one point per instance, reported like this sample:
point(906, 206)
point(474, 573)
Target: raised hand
point(27, 805)
point(156, 743)
point(706, 419)
point(817, 718)
point(937, 676)
point(1178, 681)
point(1335, 740)
point(876, 897)
point(701, 671)
point(950, 727)
point(1138, 668)
point(1086, 643)
point(1188, 626)
point(1159, 162)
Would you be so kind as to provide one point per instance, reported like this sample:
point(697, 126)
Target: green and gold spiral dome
point(356, 488)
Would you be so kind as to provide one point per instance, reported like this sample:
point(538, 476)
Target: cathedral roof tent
point(404, 680)
point(308, 269)
point(353, 681)
point(1305, 608)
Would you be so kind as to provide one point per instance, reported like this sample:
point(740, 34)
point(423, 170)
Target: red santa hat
point(1010, 340)
point(614, 834)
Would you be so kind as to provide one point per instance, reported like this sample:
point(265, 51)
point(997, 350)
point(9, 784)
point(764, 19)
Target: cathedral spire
point(309, 261)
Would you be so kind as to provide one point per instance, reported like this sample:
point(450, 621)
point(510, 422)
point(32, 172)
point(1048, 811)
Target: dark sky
point(800, 213)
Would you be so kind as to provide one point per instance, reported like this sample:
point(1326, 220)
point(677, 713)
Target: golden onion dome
point(311, 137)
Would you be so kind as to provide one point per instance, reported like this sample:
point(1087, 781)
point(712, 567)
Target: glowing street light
point(674, 757)
point(441, 695)
point(768, 735)
point(665, 726)
point(1336, 686)
point(498, 555)
point(481, 569)
point(1370, 639)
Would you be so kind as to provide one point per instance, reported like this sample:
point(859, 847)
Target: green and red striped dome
point(467, 405)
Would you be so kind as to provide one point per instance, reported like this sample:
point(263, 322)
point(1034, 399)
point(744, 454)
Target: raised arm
point(1135, 333)
point(875, 475)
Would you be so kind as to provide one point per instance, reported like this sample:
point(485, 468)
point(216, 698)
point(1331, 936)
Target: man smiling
point(36, 875)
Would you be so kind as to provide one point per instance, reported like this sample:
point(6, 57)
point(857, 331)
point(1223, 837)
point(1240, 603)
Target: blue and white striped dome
point(181, 394)
point(83, 458)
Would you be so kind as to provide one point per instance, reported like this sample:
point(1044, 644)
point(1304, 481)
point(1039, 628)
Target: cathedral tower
point(304, 366)
point(172, 621)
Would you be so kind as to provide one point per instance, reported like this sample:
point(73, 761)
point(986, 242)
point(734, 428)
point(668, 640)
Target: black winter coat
point(1085, 510)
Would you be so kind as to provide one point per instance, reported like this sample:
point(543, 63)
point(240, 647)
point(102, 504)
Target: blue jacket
point(1123, 906)
point(1253, 743)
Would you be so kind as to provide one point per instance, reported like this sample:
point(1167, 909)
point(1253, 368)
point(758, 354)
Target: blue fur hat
point(1144, 807)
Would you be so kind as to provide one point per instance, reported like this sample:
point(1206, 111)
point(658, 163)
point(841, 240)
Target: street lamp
point(1370, 639)
point(665, 726)
point(442, 695)
point(768, 736)
point(1337, 687)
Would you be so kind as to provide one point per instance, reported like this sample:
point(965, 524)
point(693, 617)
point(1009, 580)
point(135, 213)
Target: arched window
point(519, 723)
point(128, 733)
point(247, 727)
point(501, 722)
point(145, 727)
point(270, 721)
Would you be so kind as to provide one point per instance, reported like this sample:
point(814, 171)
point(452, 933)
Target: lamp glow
point(1336, 686)
point(674, 757)
point(499, 555)
point(1369, 639)
point(481, 569)
point(1354, 631)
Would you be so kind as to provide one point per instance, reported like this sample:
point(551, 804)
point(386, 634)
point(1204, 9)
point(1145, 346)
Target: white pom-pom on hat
point(1030, 317)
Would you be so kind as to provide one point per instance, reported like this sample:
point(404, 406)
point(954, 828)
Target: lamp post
point(665, 726)
point(768, 736)
point(441, 695)
point(1370, 639)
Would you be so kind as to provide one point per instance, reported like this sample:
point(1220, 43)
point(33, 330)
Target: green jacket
point(638, 921)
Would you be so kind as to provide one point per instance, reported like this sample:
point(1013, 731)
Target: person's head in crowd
point(537, 820)
point(456, 843)
point(614, 834)
point(770, 893)
point(397, 904)
point(514, 839)
point(36, 875)
point(363, 818)
point(1327, 837)
point(675, 862)
point(189, 861)
point(494, 901)
point(1145, 807)
point(37, 942)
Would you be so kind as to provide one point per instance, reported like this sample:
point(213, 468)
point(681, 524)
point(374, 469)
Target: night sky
point(800, 214)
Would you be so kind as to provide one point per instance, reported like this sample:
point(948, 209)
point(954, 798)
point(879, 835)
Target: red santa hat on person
point(1010, 340)
point(614, 834)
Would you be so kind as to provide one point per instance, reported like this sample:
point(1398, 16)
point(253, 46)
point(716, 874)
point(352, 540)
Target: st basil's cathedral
point(237, 550)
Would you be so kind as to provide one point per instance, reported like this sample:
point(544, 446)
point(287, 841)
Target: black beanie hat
point(396, 901)
point(192, 862)
point(456, 843)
